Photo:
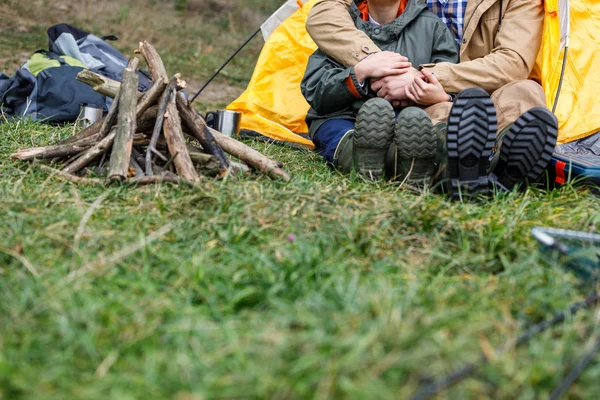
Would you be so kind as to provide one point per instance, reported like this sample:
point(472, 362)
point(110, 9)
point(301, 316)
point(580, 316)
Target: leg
point(328, 137)
point(516, 98)
point(439, 112)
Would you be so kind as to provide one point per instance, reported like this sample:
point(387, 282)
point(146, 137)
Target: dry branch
point(99, 148)
point(151, 96)
point(155, 64)
point(162, 108)
point(61, 150)
point(250, 156)
point(144, 180)
point(127, 122)
point(198, 127)
point(176, 142)
point(103, 85)
point(86, 133)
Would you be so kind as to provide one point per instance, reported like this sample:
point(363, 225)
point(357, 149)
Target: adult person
point(499, 42)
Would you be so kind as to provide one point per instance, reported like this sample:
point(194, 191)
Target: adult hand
point(381, 64)
point(393, 87)
point(426, 90)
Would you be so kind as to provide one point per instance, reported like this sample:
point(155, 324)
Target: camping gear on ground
point(273, 106)
point(88, 114)
point(578, 251)
point(45, 87)
point(225, 121)
point(573, 167)
point(94, 52)
point(139, 154)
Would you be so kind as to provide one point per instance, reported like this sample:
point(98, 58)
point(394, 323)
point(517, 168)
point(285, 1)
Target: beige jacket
point(490, 57)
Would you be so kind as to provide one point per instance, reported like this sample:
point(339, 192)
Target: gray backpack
point(45, 87)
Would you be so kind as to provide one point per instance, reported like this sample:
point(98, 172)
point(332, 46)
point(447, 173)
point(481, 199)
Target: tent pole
point(225, 64)
point(562, 76)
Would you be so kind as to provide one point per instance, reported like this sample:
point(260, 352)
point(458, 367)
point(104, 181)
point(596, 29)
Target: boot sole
point(527, 148)
point(472, 127)
point(372, 137)
point(416, 142)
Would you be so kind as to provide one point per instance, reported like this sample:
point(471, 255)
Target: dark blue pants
point(329, 135)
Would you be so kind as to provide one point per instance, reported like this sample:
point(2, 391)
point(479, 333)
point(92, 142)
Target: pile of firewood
point(142, 139)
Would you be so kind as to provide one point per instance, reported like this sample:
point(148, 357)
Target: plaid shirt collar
point(452, 12)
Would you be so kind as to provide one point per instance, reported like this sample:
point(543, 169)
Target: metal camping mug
point(88, 114)
point(225, 121)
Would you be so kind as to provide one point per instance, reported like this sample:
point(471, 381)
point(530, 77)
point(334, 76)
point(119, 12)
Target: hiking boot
point(525, 148)
point(414, 150)
point(342, 156)
point(471, 134)
point(441, 153)
point(373, 134)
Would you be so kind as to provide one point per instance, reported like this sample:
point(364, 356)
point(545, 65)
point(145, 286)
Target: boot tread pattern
point(373, 137)
point(527, 147)
point(414, 136)
point(472, 127)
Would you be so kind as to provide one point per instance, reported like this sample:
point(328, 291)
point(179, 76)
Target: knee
point(521, 89)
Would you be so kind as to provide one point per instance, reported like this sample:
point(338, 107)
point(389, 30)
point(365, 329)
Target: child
point(352, 127)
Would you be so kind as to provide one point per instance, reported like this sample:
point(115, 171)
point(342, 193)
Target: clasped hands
point(394, 78)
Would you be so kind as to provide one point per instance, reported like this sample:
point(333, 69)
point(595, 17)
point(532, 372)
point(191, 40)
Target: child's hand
point(382, 64)
point(426, 90)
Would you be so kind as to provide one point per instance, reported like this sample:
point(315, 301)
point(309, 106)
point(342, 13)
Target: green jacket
point(417, 34)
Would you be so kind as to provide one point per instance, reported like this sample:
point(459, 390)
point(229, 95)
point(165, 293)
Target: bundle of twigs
point(142, 139)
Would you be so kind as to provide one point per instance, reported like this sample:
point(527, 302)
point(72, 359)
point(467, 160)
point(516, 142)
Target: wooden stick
point(195, 125)
point(198, 127)
point(60, 151)
point(144, 180)
point(151, 96)
point(176, 142)
point(104, 85)
point(73, 178)
point(155, 64)
point(110, 119)
point(96, 151)
point(105, 144)
point(162, 108)
point(100, 84)
point(250, 156)
point(126, 126)
point(86, 133)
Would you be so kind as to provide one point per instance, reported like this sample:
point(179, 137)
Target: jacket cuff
point(441, 72)
point(357, 90)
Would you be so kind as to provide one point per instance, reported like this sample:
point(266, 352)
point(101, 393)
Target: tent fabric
point(578, 110)
point(274, 106)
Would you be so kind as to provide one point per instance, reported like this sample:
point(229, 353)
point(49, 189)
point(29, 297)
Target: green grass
point(324, 287)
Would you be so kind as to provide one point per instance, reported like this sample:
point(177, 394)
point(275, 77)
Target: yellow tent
point(571, 40)
point(273, 104)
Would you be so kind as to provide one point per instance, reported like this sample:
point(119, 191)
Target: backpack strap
point(52, 56)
